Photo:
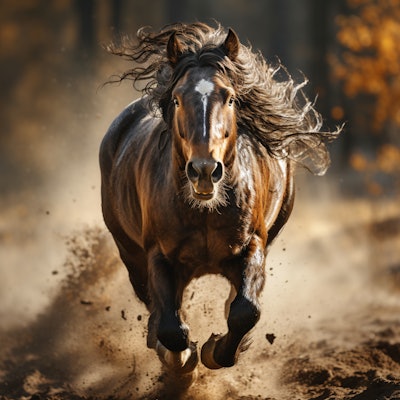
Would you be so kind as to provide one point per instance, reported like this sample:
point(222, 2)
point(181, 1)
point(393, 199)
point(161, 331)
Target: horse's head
point(203, 123)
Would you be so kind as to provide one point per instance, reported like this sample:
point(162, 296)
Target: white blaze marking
point(204, 88)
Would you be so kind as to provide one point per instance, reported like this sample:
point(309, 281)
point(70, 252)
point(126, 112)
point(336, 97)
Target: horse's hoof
point(207, 352)
point(181, 362)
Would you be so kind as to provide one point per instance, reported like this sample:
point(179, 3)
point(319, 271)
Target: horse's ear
point(174, 49)
point(231, 45)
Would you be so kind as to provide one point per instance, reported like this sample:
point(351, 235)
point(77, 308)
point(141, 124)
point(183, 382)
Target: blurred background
point(53, 65)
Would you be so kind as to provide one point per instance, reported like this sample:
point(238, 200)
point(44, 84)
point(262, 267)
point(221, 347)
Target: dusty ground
point(330, 329)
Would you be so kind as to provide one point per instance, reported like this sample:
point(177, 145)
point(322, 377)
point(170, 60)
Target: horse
point(198, 178)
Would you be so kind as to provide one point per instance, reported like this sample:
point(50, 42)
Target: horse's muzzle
point(204, 173)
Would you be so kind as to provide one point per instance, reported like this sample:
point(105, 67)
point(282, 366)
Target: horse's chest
point(204, 247)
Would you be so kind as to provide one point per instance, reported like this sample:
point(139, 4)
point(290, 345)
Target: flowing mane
point(273, 111)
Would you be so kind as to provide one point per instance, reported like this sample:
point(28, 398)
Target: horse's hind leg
point(174, 348)
point(244, 312)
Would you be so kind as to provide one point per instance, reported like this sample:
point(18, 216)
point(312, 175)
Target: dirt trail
point(330, 327)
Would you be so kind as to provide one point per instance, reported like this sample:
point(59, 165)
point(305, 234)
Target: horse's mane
point(273, 111)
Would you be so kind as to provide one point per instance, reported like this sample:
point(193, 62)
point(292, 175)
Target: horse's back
point(118, 132)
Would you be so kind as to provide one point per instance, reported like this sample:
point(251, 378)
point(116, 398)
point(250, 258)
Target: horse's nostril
point(217, 173)
point(204, 169)
point(192, 173)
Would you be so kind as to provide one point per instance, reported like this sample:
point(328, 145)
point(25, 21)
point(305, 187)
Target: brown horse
point(197, 178)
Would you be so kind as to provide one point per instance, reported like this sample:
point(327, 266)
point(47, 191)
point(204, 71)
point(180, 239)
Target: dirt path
point(330, 327)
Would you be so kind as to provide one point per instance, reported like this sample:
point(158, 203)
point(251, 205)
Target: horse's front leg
point(244, 312)
point(173, 346)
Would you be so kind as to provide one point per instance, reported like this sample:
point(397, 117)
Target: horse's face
point(204, 125)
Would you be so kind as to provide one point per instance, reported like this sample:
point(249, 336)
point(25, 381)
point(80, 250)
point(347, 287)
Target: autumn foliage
point(370, 61)
point(368, 66)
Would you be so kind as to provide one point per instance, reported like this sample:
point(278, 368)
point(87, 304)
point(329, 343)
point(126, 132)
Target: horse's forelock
point(209, 56)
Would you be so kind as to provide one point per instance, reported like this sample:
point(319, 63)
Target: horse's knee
point(243, 315)
point(173, 334)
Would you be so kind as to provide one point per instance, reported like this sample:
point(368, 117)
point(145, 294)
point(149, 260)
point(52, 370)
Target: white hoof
point(207, 352)
point(181, 361)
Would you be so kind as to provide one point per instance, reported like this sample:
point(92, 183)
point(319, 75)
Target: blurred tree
point(370, 61)
point(116, 15)
point(368, 68)
point(85, 10)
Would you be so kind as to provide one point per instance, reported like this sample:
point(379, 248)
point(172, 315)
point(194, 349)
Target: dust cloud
point(72, 328)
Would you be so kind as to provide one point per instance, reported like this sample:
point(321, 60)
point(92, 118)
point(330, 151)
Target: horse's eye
point(176, 102)
point(231, 101)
